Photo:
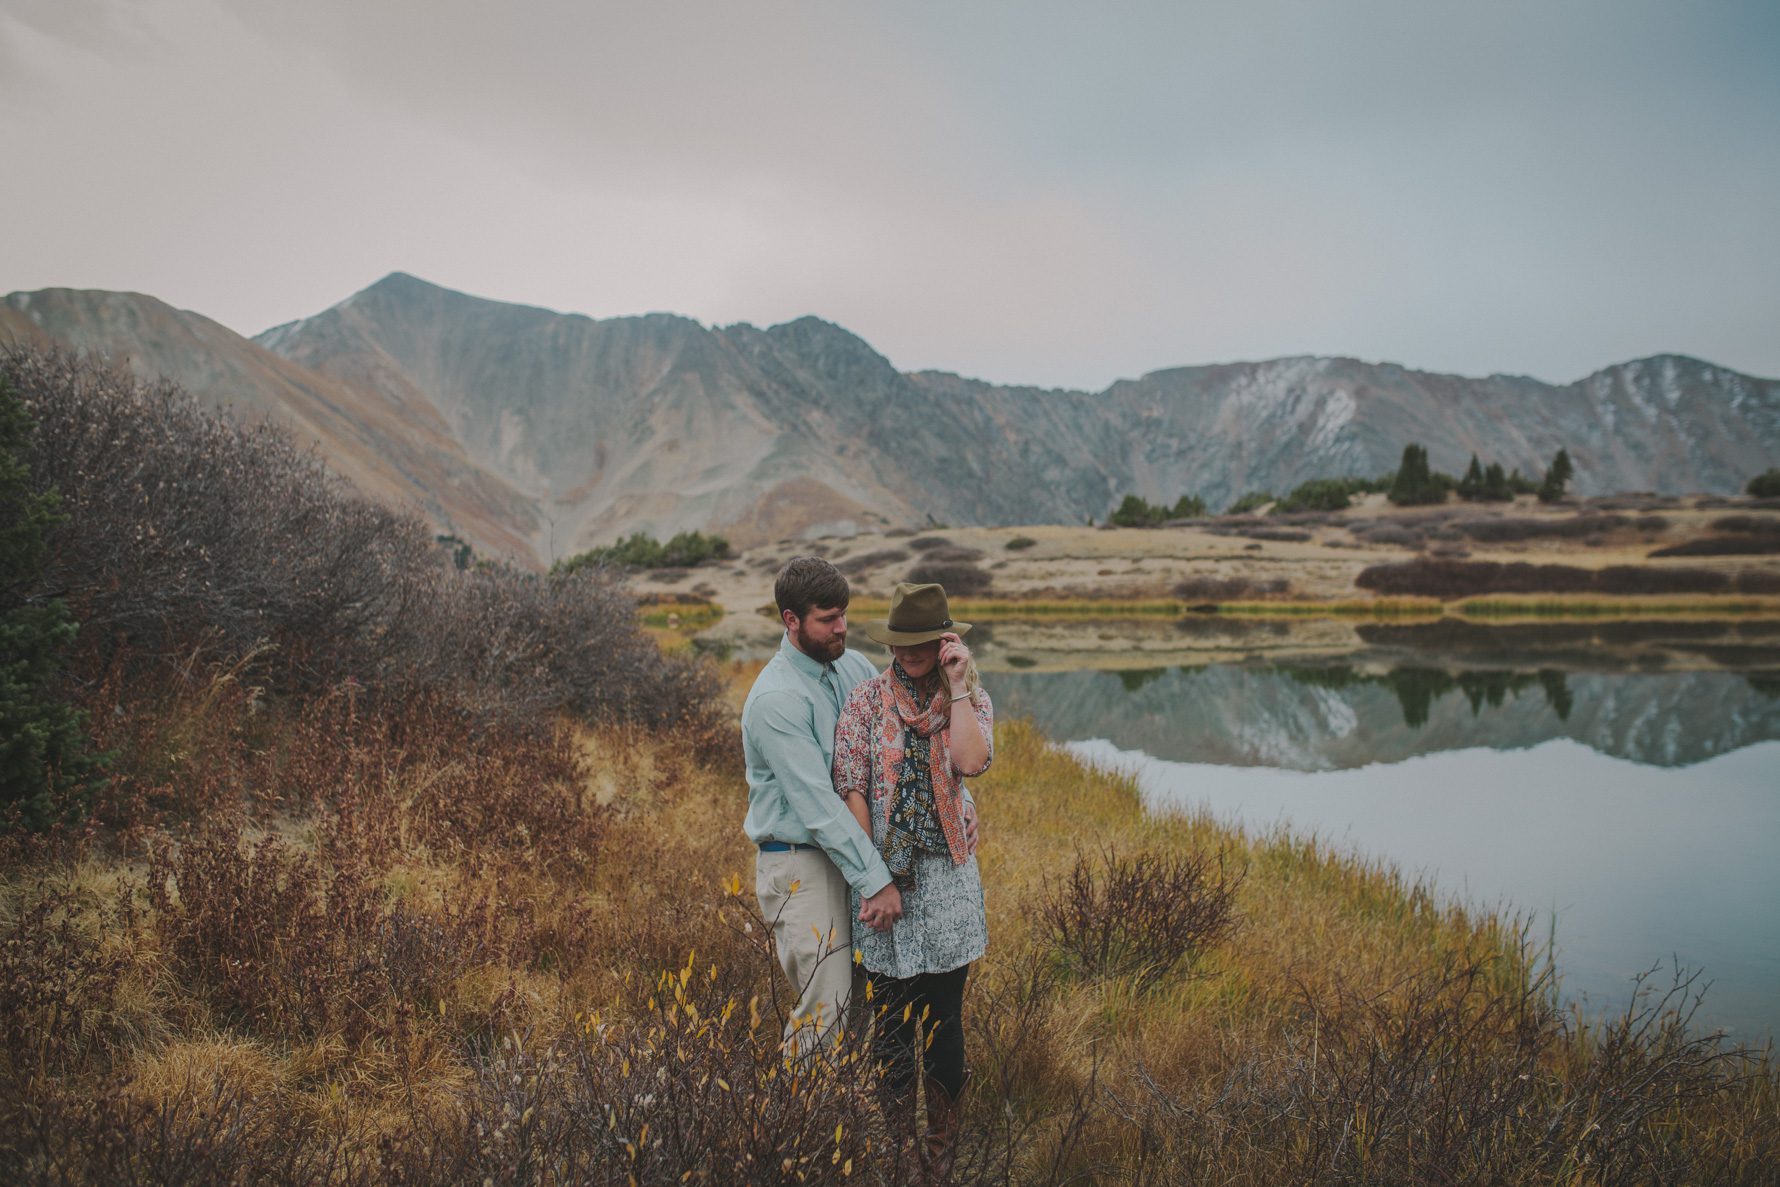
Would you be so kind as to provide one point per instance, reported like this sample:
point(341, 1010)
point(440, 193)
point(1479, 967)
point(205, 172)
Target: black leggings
point(941, 995)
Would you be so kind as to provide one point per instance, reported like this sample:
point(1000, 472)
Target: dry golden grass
point(489, 997)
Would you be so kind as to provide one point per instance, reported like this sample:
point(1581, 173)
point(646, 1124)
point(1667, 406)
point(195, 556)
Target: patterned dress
point(943, 926)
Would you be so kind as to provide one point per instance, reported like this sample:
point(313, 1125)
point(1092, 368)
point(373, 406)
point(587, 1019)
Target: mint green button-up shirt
point(788, 739)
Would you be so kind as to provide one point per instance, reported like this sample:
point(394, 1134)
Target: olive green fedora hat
point(918, 614)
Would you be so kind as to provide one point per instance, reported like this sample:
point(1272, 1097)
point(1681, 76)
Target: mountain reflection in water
point(1420, 689)
point(1619, 779)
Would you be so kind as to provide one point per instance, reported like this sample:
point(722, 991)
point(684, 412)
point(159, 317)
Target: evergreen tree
point(1471, 485)
point(1557, 478)
point(47, 767)
point(1188, 507)
point(1133, 512)
point(1496, 488)
point(1765, 485)
point(1319, 494)
point(1415, 483)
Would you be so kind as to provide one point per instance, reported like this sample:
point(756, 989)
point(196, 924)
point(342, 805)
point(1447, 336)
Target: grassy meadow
point(409, 956)
point(400, 873)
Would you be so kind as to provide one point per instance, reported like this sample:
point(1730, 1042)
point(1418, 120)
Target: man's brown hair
point(807, 581)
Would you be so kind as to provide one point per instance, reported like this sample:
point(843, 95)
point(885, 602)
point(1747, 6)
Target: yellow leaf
point(795, 883)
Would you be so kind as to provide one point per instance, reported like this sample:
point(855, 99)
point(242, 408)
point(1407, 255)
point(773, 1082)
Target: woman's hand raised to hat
point(954, 659)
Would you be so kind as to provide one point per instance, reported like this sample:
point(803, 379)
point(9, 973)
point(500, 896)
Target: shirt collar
point(801, 662)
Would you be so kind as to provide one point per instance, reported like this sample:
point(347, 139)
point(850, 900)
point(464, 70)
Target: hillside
point(537, 434)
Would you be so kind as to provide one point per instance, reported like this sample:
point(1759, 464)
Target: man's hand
point(882, 909)
point(970, 828)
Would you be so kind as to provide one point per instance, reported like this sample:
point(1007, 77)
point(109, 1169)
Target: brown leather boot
point(940, 1147)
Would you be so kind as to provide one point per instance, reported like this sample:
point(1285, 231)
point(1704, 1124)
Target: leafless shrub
point(1390, 535)
point(1637, 501)
point(1638, 579)
point(261, 932)
point(57, 984)
point(1754, 524)
point(182, 522)
point(929, 543)
point(961, 578)
point(1458, 579)
point(187, 531)
point(1141, 916)
point(1753, 581)
point(1228, 589)
point(857, 566)
point(1506, 528)
point(1281, 535)
point(1740, 544)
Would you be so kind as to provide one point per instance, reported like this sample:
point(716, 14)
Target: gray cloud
point(1049, 193)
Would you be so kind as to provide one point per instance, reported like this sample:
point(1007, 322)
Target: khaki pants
point(804, 899)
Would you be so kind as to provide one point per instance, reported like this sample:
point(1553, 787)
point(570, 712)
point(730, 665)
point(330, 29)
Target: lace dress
point(943, 926)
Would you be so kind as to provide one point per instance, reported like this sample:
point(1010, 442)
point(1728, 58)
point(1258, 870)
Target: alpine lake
point(1613, 785)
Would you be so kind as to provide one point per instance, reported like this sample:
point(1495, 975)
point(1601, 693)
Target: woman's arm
point(970, 728)
point(861, 809)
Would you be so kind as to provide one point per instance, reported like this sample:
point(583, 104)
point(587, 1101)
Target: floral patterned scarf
point(926, 810)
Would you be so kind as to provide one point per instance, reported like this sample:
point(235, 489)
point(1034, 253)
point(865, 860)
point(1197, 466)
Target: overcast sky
point(1051, 193)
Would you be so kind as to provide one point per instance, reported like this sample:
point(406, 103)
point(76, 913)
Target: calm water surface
point(1632, 808)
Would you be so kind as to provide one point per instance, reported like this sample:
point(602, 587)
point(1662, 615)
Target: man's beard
point(825, 653)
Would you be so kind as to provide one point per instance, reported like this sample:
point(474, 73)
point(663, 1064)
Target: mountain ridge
point(536, 433)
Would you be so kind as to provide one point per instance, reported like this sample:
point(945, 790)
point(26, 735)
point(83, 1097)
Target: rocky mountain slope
point(536, 434)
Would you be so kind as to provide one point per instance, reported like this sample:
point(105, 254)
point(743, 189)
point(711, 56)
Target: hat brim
point(878, 631)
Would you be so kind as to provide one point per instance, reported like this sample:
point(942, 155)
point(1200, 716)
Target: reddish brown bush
point(857, 566)
point(186, 531)
point(1228, 589)
point(1496, 530)
point(1742, 544)
point(961, 578)
point(1141, 916)
point(263, 933)
point(1457, 579)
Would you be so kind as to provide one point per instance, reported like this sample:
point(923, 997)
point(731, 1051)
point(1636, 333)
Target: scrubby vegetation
point(1449, 579)
point(1321, 494)
point(1254, 500)
point(1765, 485)
point(640, 550)
point(47, 767)
point(1136, 512)
point(380, 890)
point(1228, 589)
point(961, 577)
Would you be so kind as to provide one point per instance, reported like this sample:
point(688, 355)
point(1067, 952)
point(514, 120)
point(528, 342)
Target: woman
point(904, 739)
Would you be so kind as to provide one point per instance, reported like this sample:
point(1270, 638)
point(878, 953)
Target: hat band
point(916, 630)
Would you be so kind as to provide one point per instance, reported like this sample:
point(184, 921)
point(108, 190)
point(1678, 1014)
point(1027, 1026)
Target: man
point(811, 849)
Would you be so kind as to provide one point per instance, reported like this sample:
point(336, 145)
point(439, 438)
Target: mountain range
point(535, 434)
